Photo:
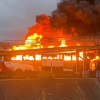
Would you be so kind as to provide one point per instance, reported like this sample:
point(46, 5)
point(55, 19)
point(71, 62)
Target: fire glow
point(39, 57)
point(51, 31)
point(44, 35)
point(34, 42)
point(71, 19)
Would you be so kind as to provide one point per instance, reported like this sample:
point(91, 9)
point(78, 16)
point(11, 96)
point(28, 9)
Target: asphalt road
point(49, 89)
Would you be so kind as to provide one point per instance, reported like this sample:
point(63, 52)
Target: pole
point(85, 70)
point(77, 63)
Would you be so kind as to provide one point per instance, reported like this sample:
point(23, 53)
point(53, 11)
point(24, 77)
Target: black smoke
point(83, 15)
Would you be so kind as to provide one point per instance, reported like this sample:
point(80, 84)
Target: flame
point(33, 39)
point(67, 58)
point(63, 43)
point(32, 42)
point(93, 66)
point(27, 57)
point(93, 63)
point(38, 57)
point(21, 57)
point(96, 58)
point(18, 57)
point(43, 35)
point(78, 44)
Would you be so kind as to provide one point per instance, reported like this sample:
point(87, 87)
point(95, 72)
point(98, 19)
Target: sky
point(17, 15)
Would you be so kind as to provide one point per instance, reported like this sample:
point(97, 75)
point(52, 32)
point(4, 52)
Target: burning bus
point(55, 61)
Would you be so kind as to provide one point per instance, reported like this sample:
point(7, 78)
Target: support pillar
point(77, 63)
point(85, 69)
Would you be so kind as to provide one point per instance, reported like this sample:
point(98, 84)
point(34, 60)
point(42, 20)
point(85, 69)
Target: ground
point(49, 89)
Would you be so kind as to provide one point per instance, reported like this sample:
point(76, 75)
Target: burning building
point(69, 25)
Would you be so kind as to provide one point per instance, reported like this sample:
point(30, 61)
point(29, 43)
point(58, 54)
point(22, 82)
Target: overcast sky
point(17, 15)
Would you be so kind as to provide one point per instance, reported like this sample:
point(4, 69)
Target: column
point(85, 65)
point(77, 63)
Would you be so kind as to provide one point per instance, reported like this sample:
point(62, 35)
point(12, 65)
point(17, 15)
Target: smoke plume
point(78, 17)
point(83, 15)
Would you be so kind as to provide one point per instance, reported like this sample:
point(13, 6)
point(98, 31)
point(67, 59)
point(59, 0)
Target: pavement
point(50, 89)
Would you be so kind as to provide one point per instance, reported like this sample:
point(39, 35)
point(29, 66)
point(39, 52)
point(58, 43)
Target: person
point(98, 69)
point(3, 65)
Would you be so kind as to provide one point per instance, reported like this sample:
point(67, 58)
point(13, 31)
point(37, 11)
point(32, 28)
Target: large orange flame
point(43, 35)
